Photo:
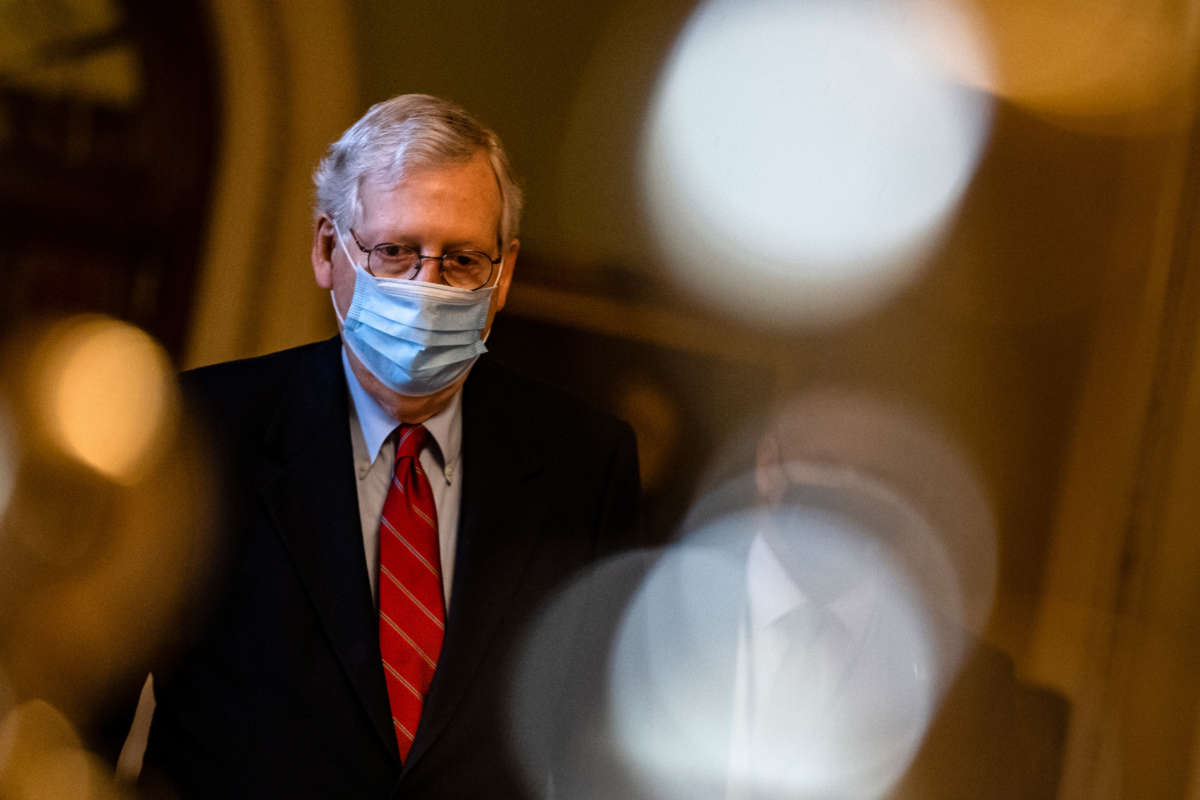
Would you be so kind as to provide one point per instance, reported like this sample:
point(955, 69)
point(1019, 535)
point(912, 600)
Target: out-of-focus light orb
point(801, 158)
point(108, 389)
point(558, 700)
point(790, 661)
point(874, 447)
point(1078, 60)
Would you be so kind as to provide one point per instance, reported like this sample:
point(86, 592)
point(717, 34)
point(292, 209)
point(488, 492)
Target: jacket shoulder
point(258, 369)
point(564, 417)
point(231, 390)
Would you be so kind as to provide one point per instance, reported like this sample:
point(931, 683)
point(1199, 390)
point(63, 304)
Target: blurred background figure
point(814, 633)
point(905, 574)
point(154, 167)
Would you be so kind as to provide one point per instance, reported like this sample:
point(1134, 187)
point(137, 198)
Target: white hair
point(406, 132)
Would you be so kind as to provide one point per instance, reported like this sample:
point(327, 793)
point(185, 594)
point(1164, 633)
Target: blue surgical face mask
point(417, 338)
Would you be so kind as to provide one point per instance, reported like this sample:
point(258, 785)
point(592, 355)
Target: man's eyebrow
point(453, 244)
point(391, 237)
point(464, 244)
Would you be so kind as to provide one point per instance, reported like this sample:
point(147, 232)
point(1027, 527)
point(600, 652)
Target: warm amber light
point(108, 394)
point(1076, 59)
point(41, 757)
point(655, 419)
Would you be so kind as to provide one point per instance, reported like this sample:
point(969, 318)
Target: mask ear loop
point(332, 298)
point(342, 244)
point(341, 320)
point(499, 277)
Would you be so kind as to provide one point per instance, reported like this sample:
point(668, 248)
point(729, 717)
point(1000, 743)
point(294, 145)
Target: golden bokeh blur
point(41, 758)
point(655, 419)
point(1083, 62)
point(110, 75)
point(106, 388)
point(105, 539)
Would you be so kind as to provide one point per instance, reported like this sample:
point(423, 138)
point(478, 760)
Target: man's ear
point(510, 265)
point(324, 241)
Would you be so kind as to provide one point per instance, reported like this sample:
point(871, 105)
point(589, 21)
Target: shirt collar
point(377, 425)
point(773, 593)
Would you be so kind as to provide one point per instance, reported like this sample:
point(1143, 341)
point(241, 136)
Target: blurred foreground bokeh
point(816, 632)
point(104, 540)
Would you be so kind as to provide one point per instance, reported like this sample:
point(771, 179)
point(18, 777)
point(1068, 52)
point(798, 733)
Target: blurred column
point(289, 87)
point(1118, 619)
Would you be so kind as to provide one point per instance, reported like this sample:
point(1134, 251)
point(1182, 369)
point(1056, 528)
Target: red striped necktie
point(411, 609)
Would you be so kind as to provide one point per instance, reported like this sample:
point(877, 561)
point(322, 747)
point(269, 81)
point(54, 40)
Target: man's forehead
point(381, 185)
point(390, 177)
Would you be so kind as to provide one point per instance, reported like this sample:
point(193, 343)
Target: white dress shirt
point(781, 620)
point(374, 459)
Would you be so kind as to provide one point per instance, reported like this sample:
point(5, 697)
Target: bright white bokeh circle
point(800, 158)
point(834, 721)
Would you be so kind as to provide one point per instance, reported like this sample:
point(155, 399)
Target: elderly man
point(397, 509)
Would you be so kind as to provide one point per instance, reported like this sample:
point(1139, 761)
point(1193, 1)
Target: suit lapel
point(307, 485)
point(496, 535)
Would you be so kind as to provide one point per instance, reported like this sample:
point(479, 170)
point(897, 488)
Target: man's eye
point(390, 250)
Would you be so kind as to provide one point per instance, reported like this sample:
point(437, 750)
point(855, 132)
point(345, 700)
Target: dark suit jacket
point(278, 689)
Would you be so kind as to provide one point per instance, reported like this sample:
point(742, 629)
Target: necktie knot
point(409, 440)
